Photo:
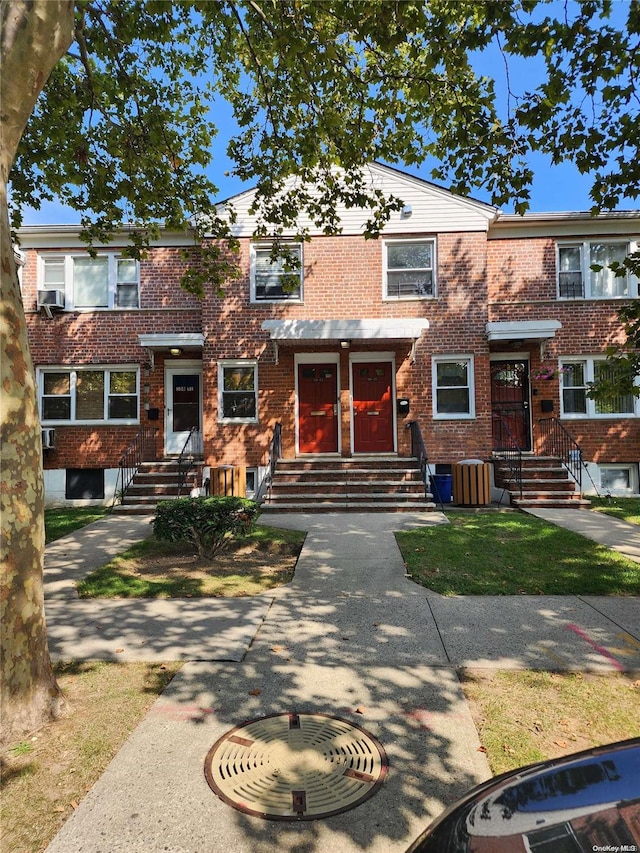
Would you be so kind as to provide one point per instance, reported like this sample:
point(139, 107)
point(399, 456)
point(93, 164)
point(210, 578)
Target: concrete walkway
point(352, 637)
point(615, 534)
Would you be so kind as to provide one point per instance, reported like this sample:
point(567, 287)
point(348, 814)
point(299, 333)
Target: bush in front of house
point(207, 523)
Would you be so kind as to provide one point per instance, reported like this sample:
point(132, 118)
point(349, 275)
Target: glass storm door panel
point(184, 409)
point(318, 408)
point(510, 405)
point(372, 407)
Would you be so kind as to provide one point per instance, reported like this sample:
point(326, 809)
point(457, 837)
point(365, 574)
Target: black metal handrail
point(141, 449)
point(275, 452)
point(191, 450)
point(510, 451)
point(555, 441)
point(419, 451)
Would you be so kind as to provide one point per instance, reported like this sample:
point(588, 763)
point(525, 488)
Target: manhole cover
point(296, 766)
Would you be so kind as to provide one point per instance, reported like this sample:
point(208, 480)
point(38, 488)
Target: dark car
point(581, 803)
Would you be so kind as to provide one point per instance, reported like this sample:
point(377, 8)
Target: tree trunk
point(34, 36)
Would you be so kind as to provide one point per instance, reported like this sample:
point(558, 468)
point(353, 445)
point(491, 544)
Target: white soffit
point(166, 341)
point(525, 330)
point(341, 330)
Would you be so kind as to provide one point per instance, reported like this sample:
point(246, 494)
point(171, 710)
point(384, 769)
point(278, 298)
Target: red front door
point(318, 408)
point(372, 407)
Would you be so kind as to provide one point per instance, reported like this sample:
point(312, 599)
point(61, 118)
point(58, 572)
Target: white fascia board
point(68, 237)
point(567, 224)
point(526, 330)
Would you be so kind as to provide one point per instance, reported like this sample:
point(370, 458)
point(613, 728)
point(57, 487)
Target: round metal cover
point(296, 766)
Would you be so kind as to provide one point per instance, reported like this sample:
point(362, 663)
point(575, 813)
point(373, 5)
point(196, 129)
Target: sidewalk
point(351, 637)
point(622, 537)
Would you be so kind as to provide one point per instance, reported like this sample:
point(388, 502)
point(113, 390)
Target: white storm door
point(183, 404)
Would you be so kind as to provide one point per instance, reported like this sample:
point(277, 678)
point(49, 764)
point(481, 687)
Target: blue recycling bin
point(441, 488)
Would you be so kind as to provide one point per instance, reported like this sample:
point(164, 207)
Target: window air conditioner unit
point(51, 299)
point(48, 439)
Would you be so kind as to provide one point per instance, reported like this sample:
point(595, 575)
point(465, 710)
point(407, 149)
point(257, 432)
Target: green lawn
point(527, 716)
point(513, 553)
point(59, 521)
point(626, 509)
point(260, 560)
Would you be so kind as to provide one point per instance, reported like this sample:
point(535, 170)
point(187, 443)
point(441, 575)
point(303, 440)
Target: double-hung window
point(576, 374)
point(584, 270)
point(89, 395)
point(409, 269)
point(104, 282)
point(453, 391)
point(279, 279)
point(238, 391)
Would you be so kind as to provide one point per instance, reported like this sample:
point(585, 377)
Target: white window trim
point(591, 413)
point(585, 267)
point(244, 363)
point(252, 275)
point(453, 416)
point(385, 269)
point(112, 286)
point(252, 472)
point(73, 374)
point(631, 467)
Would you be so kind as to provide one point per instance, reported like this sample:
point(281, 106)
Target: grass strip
point(59, 521)
point(45, 776)
point(526, 716)
point(513, 554)
point(625, 509)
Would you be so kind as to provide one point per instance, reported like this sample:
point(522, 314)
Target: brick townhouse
point(475, 325)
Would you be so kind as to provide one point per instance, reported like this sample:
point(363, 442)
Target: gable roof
point(428, 208)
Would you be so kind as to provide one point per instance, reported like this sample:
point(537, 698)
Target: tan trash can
point(472, 483)
point(229, 480)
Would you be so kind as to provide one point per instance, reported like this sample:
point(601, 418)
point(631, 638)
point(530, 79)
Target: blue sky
point(554, 188)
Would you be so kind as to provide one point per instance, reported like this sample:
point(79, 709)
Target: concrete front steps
point(545, 484)
point(155, 482)
point(360, 484)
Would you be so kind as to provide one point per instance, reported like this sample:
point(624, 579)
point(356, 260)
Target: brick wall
point(521, 277)
point(343, 279)
point(478, 281)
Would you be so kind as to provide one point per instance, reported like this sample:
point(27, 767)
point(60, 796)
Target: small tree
point(207, 523)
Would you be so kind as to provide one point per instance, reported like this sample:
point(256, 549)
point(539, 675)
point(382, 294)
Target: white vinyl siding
point(433, 209)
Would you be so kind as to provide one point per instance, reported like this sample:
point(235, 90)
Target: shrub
point(207, 523)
